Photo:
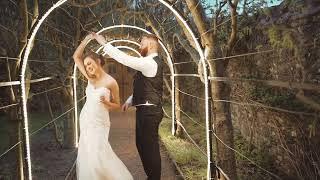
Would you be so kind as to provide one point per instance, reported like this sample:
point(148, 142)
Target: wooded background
point(265, 60)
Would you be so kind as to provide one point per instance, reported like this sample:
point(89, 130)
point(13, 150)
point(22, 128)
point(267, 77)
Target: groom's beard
point(144, 52)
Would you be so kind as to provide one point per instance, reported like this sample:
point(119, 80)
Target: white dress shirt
point(146, 65)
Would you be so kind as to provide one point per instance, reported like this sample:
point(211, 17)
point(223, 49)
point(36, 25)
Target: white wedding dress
point(96, 160)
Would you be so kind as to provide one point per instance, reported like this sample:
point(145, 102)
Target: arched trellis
point(23, 84)
point(169, 60)
point(124, 40)
point(127, 48)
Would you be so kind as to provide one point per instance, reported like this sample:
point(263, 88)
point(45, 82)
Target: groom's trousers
point(148, 119)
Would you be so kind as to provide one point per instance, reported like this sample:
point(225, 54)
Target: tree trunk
point(179, 132)
point(222, 115)
point(223, 125)
point(222, 119)
point(15, 123)
point(69, 124)
point(220, 90)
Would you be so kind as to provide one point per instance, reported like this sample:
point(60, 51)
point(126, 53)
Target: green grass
point(4, 137)
point(245, 168)
point(35, 122)
point(192, 162)
point(188, 157)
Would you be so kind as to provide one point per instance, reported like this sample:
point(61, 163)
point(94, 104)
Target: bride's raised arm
point(78, 55)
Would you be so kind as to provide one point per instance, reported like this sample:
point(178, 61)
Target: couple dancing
point(96, 160)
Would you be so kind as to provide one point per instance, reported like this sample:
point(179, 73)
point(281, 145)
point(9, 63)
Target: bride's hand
point(90, 36)
point(103, 99)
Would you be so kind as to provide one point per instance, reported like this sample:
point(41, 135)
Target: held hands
point(100, 39)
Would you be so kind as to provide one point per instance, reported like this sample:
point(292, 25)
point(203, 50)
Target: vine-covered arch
point(121, 40)
point(129, 48)
point(23, 83)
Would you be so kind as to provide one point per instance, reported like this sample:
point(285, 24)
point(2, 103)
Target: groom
point(147, 98)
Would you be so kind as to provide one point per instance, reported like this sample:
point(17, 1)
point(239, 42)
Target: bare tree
point(220, 90)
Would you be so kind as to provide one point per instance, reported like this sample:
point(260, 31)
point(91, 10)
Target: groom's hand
point(125, 106)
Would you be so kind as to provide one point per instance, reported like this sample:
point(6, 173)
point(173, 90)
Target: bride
point(96, 160)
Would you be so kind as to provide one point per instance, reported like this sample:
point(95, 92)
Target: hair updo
point(96, 57)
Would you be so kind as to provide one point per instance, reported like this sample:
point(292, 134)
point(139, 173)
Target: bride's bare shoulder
point(110, 81)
